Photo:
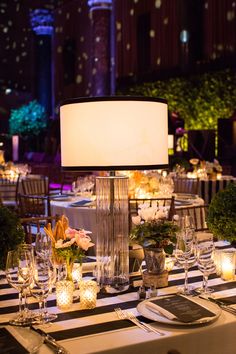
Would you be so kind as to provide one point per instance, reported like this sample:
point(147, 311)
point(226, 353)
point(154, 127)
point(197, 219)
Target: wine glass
point(43, 245)
point(19, 274)
point(44, 278)
point(185, 255)
point(75, 187)
point(204, 252)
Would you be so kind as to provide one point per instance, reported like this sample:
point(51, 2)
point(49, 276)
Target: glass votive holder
point(77, 273)
point(217, 260)
point(228, 259)
point(88, 294)
point(64, 294)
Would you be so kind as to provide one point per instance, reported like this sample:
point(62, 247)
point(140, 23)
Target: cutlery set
point(127, 315)
point(221, 304)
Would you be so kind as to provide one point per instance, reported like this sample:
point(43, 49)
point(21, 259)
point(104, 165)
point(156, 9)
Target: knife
point(50, 341)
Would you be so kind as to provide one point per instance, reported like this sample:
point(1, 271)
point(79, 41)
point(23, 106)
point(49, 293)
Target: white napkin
point(160, 310)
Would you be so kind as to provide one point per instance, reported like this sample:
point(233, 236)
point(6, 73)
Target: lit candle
point(64, 294)
point(88, 294)
point(217, 260)
point(228, 265)
point(218, 175)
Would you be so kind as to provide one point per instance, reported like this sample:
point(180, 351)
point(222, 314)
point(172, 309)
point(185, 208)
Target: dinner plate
point(61, 198)
point(185, 196)
point(144, 311)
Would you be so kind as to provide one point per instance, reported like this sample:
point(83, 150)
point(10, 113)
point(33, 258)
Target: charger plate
point(154, 316)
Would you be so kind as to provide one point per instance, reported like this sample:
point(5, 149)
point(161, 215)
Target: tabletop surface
point(100, 331)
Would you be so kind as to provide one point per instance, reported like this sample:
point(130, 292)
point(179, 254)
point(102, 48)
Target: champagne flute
point(44, 278)
point(185, 255)
point(204, 252)
point(19, 270)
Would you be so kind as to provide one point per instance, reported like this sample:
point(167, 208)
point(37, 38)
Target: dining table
point(99, 330)
point(81, 210)
point(209, 187)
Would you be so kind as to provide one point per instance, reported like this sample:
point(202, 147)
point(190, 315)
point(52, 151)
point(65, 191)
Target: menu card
point(181, 308)
point(8, 343)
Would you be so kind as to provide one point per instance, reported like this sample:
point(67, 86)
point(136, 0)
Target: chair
point(35, 185)
point(166, 202)
point(34, 225)
point(9, 189)
point(34, 205)
point(199, 214)
point(186, 185)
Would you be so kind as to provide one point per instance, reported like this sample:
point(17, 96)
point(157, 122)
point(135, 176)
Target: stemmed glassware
point(75, 187)
point(43, 246)
point(204, 252)
point(44, 278)
point(185, 250)
point(19, 274)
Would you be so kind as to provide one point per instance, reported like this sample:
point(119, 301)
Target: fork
point(130, 316)
point(148, 326)
point(221, 304)
point(124, 316)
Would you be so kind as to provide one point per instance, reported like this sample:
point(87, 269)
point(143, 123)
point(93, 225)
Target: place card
point(180, 308)
point(8, 343)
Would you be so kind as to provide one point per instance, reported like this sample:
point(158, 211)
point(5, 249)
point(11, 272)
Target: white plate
point(144, 311)
point(61, 198)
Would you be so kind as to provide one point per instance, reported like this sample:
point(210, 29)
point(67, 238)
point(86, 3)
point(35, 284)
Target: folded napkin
point(177, 307)
point(84, 202)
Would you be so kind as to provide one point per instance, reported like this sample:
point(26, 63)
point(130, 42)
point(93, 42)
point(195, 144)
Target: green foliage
point(199, 100)
point(28, 119)
point(155, 234)
point(11, 233)
point(221, 218)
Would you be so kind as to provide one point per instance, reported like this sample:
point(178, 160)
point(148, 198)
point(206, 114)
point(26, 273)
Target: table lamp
point(110, 134)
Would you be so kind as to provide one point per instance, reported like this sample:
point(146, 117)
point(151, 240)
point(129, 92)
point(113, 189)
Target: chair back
point(165, 202)
point(8, 189)
point(186, 185)
point(35, 185)
point(34, 225)
point(34, 205)
point(199, 214)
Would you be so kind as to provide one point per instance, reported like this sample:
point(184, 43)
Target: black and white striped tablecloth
point(84, 324)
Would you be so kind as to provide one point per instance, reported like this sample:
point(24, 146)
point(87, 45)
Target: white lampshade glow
point(114, 133)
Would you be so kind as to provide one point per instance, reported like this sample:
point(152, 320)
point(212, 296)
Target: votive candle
point(228, 265)
point(64, 294)
point(88, 294)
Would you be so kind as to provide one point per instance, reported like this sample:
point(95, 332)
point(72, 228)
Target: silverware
point(126, 315)
point(50, 341)
point(221, 304)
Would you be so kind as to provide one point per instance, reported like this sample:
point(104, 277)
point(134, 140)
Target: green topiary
point(221, 218)
point(11, 233)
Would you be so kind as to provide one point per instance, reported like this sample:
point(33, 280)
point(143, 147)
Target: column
point(42, 25)
point(102, 47)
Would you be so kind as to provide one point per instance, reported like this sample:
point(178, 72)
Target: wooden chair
point(35, 185)
point(34, 205)
point(199, 214)
point(186, 185)
point(34, 225)
point(9, 189)
point(166, 202)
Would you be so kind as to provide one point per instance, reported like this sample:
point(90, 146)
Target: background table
point(208, 188)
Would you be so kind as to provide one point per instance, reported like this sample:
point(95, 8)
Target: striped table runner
point(80, 323)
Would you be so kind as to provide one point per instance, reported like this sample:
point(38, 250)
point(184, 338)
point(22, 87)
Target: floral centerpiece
point(68, 245)
point(155, 233)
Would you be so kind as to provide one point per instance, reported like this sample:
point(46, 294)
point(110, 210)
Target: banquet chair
point(186, 185)
point(35, 185)
point(199, 214)
point(34, 205)
point(34, 225)
point(9, 189)
point(165, 202)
